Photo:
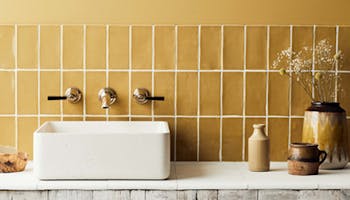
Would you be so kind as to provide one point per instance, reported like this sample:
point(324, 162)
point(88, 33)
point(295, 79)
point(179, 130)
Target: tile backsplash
point(217, 81)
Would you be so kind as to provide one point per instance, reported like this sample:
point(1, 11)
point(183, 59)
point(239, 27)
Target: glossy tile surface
point(118, 47)
point(210, 47)
point(27, 46)
point(187, 39)
point(50, 47)
point(7, 54)
point(164, 47)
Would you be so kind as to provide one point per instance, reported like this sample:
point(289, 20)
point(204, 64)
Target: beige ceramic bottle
point(259, 150)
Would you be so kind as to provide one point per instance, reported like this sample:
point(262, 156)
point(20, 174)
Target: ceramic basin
point(102, 150)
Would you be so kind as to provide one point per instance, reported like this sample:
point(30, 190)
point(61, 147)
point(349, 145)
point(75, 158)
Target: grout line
point(84, 72)
point(61, 70)
point(313, 60)
point(107, 65)
point(267, 79)
point(290, 89)
point(38, 74)
point(153, 56)
point(16, 85)
point(244, 91)
point(336, 64)
point(175, 90)
point(129, 70)
point(221, 87)
point(198, 89)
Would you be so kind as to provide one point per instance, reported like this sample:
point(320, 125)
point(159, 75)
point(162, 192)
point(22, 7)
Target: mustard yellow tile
point(8, 134)
point(344, 41)
point(141, 80)
point(256, 47)
point(210, 47)
point(302, 36)
point(249, 122)
point(296, 129)
point(95, 118)
point(209, 142)
point(49, 47)
point(232, 93)
point(164, 86)
point(141, 119)
point(300, 99)
point(7, 86)
point(186, 139)
point(73, 47)
point(278, 94)
point(118, 118)
point(187, 47)
point(348, 122)
point(210, 93)
point(27, 44)
point(329, 33)
point(164, 47)
point(119, 81)
point(94, 82)
point(255, 93)
point(278, 134)
point(7, 58)
point(26, 128)
point(171, 123)
point(48, 119)
point(233, 47)
point(72, 119)
point(73, 79)
point(344, 94)
point(49, 86)
point(27, 92)
point(95, 47)
point(232, 139)
point(142, 47)
point(118, 47)
point(187, 94)
point(279, 40)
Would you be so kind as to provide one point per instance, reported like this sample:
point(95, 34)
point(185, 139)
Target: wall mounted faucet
point(73, 95)
point(142, 96)
point(107, 96)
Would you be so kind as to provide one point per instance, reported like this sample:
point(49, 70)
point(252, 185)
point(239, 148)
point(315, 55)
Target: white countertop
point(193, 175)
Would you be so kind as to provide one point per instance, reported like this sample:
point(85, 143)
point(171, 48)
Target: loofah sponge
point(11, 161)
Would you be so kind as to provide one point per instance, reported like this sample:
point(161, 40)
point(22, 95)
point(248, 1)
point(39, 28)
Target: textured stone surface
point(319, 195)
point(70, 195)
point(28, 195)
point(237, 194)
point(278, 194)
point(207, 195)
point(187, 195)
point(161, 195)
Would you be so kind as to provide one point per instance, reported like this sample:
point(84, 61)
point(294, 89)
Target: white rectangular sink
point(102, 150)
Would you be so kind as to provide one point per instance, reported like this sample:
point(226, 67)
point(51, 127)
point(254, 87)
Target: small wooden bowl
point(13, 162)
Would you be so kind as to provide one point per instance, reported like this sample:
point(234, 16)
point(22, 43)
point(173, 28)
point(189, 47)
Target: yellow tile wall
point(217, 81)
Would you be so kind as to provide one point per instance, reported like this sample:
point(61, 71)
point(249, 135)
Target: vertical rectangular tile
point(186, 139)
point(7, 57)
point(210, 93)
point(232, 139)
point(27, 45)
point(187, 86)
point(119, 81)
point(232, 93)
point(279, 40)
point(49, 47)
point(73, 47)
point(187, 49)
point(7, 86)
point(278, 134)
point(94, 82)
point(233, 47)
point(256, 93)
point(164, 86)
point(8, 133)
point(171, 123)
point(95, 47)
point(344, 45)
point(249, 122)
point(296, 129)
point(302, 37)
point(278, 94)
point(256, 47)
point(210, 47)
point(300, 99)
point(142, 47)
point(209, 142)
point(141, 80)
point(118, 47)
point(344, 94)
point(49, 86)
point(27, 92)
point(26, 128)
point(164, 47)
point(73, 79)
point(325, 33)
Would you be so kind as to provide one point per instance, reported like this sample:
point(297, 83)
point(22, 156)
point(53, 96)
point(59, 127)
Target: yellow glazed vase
point(325, 125)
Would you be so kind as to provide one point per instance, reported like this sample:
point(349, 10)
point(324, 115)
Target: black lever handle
point(155, 98)
point(56, 98)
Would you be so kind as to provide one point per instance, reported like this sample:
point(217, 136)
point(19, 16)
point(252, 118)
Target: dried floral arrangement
point(314, 69)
